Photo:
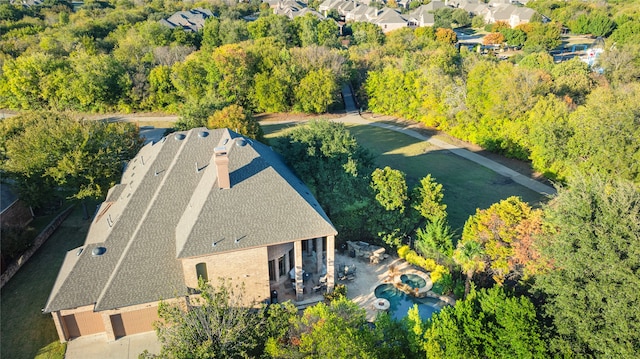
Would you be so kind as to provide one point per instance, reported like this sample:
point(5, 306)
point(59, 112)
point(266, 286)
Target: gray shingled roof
point(154, 213)
point(7, 196)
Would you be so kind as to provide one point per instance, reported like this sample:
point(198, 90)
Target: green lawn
point(26, 332)
point(467, 185)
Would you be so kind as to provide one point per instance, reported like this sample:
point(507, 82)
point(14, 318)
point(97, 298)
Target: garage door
point(83, 323)
point(134, 322)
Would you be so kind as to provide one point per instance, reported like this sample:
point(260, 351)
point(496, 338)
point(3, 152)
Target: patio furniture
point(347, 272)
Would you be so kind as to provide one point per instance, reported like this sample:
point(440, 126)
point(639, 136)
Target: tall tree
point(326, 156)
point(606, 133)
point(47, 153)
point(317, 91)
point(487, 324)
point(469, 256)
point(593, 289)
point(337, 330)
point(218, 323)
point(236, 118)
point(389, 219)
point(497, 229)
point(427, 199)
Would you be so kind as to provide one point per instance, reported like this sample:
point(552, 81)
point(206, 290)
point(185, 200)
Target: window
point(272, 270)
point(201, 271)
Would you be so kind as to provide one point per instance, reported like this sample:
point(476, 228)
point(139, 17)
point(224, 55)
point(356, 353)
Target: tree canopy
point(47, 153)
point(487, 324)
point(593, 287)
point(322, 152)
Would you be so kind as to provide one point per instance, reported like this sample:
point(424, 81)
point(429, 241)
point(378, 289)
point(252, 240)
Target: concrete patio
point(368, 277)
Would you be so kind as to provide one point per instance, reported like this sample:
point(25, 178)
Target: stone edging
point(37, 243)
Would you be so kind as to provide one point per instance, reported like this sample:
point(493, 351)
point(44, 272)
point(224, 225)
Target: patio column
point(319, 255)
point(297, 252)
point(108, 327)
point(60, 328)
point(331, 249)
point(276, 265)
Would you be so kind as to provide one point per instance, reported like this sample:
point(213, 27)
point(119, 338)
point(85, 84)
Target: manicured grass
point(26, 332)
point(467, 185)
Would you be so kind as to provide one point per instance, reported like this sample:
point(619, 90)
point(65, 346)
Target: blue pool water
point(413, 280)
point(401, 302)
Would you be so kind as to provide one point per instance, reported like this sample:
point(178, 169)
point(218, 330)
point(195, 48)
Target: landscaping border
point(37, 243)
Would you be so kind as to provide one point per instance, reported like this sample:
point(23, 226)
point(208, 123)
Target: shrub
point(430, 265)
point(15, 240)
point(402, 251)
point(339, 291)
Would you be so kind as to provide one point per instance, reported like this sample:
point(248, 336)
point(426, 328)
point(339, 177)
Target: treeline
point(118, 57)
point(558, 115)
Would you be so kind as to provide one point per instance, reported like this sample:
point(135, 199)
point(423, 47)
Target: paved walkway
point(96, 346)
point(354, 118)
point(464, 153)
point(517, 177)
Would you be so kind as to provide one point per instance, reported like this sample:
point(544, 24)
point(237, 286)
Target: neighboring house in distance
point(13, 211)
point(511, 14)
point(421, 16)
point(363, 13)
point(434, 5)
point(293, 9)
point(27, 3)
point(390, 19)
point(190, 20)
point(202, 203)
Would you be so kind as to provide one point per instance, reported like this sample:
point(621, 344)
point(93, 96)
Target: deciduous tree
point(218, 323)
point(47, 153)
point(324, 152)
point(487, 324)
point(236, 118)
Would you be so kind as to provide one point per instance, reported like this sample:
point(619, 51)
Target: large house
point(207, 204)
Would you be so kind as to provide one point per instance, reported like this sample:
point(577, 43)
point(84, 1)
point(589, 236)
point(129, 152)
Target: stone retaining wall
point(37, 243)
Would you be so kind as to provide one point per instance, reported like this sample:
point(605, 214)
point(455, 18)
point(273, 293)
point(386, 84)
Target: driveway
point(96, 346)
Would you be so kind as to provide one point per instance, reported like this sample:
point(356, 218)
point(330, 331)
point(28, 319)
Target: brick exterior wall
point(249, 267)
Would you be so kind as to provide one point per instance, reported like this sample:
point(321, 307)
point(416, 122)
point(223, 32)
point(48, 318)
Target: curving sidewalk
point(354, 118)
point(459, 151)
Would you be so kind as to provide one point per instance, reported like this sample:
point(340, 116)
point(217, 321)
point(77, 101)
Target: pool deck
point(368, 277)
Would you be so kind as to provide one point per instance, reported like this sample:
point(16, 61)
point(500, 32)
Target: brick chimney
point(222, 167)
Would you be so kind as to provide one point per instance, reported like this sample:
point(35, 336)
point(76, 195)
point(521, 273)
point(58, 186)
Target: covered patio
point(302, 271)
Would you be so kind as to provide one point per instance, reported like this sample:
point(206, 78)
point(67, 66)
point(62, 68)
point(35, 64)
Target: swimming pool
point(413, 280)
point(401, 302)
